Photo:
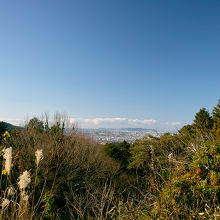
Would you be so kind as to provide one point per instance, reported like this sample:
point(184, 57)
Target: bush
point(194, 189)
point(74, 168)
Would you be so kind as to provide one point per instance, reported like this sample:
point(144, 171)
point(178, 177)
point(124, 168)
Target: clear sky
point(110, 63)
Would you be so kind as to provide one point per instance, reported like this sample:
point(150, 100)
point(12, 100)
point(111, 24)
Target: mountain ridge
point(10, 126)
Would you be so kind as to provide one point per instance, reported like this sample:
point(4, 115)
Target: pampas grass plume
point(24, 180)
point(39, 156)
point(8, 159)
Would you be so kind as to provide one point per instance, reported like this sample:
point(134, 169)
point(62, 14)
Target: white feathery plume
point(170, 157)
point(11, 190)
point(24, 180)
point(39, 156)
point(24, 196)
point(5, 203)
point(8, 159)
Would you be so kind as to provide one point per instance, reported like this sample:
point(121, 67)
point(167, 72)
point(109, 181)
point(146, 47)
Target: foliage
point(49, 209)
point(194, 187)
point(216, 119)
point(36, 124)
point(3, 129)
point(172, 176)
point(74, 169)
point(216, 112)
point(150, 158)
point(203, 121)
point(119, 152)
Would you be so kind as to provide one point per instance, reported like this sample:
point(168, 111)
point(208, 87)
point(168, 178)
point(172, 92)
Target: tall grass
point(72, 180)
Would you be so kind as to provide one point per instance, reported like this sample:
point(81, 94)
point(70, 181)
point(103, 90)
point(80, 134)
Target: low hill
point(10, 126)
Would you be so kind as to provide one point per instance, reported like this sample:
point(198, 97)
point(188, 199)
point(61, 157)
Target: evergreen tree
point(203, 121)
point(216, 112)
point(216, 119)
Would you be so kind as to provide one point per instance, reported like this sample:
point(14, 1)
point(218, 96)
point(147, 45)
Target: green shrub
point(195, 187)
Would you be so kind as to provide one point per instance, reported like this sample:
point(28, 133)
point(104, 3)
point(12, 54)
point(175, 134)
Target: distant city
point(115, 135)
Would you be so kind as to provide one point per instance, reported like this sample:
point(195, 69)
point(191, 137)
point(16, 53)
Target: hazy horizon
point(111, 123)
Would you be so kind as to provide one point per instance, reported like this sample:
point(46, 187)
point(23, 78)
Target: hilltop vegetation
point(174, 176)
point(8, 126)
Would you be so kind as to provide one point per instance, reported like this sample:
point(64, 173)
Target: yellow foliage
point(4, 172)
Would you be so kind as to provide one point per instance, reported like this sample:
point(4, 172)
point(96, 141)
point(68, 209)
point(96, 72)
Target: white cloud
point(175, 123)
point(142, 121)
point(14, 121)
point(111, 122)
point(97, 121)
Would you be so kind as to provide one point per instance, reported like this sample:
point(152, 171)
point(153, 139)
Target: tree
point(203, 121)
point(35, 123)
point(216, 112)
point(119, 152)
point(187, 130)
point(3, 129)
point(216, 119)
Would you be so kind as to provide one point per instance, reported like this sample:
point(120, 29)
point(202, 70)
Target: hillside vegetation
point(47, 175)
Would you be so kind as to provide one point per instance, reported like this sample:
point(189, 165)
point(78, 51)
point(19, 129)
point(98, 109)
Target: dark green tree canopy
point(203, 120)
point(216, 120)
point(3, 127)
point(216, 112)
point(119, 151)
point(187, 130)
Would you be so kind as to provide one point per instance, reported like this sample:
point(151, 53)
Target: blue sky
point(110, 63)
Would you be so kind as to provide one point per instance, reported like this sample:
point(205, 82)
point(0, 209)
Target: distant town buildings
point(110, 135)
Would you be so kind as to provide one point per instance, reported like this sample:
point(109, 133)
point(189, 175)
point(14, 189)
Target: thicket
point(174, 176)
